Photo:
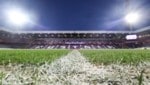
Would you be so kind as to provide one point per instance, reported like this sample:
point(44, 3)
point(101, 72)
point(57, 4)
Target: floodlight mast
point(132, 18)
point(128, 9)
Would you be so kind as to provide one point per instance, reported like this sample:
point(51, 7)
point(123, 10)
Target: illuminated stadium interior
point(75, 39)
point(94, 26)
point(74, 42)
point(114, 26)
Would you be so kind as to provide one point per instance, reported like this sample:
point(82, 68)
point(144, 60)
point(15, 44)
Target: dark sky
point(78, 14)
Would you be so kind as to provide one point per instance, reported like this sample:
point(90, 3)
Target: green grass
point(30, 56)
point(95, 56)
point(124, 56)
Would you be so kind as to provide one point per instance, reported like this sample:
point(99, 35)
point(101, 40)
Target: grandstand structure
point(74, 39)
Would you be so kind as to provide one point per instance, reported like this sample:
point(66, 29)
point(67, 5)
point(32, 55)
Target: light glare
point(17, 17)
point(132, 18)
point(131, 37)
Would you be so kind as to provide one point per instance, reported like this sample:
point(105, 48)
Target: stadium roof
point(72, 32)
point(137, 31)
point(143, 29)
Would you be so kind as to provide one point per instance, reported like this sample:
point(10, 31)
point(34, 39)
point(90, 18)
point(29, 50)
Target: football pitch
point(117, 56)
point(30, 56)
point(75, 67)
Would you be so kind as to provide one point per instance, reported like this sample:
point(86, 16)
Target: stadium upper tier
point(64, 34)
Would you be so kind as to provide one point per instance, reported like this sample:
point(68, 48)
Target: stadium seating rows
point(72, 40)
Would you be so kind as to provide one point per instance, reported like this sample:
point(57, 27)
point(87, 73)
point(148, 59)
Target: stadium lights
point(132, 18)
point(131, 37)
point(17, 17)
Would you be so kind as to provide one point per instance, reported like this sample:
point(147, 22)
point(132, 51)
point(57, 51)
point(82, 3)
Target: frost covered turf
point(75, 69)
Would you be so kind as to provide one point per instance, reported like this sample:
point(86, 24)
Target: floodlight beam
point(17, 17)
point(132, 18)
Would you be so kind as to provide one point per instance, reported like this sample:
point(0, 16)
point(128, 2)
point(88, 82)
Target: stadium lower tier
point(71, 44)
point(71, 47)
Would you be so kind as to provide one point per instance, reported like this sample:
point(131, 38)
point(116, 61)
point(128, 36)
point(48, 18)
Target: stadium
point(68, 47)
point(75, 39)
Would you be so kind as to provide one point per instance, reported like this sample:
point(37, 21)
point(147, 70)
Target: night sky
point(78, 14)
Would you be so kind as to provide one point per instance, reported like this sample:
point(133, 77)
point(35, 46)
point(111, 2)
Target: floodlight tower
point(127, 10)
point(132, 16)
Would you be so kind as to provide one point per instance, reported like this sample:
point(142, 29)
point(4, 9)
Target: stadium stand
point(73, 40)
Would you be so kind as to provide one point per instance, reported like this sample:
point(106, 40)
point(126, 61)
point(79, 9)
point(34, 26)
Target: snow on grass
point(74, 69)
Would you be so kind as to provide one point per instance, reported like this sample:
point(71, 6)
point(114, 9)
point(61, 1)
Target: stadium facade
point(74, 39)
